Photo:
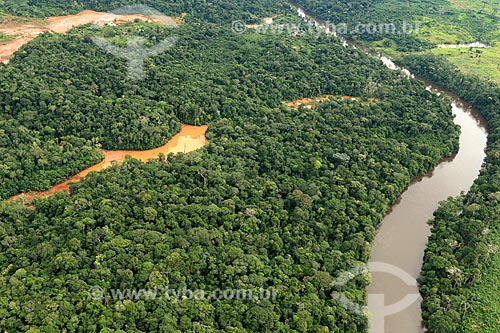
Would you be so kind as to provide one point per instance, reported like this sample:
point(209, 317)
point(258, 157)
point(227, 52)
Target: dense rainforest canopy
point(61, 88)
point(280, 198)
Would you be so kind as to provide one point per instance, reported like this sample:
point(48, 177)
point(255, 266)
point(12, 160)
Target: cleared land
point(19, 33)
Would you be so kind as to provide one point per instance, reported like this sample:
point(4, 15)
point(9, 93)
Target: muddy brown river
point(402, 236)
point(398, 250)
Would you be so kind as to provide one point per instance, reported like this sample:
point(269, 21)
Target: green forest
point(66, 92)
point(280, 198)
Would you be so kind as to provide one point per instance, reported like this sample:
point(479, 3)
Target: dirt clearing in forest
point(25, 32)
point(189, 139)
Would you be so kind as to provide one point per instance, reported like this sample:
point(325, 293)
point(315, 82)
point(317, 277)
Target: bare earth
point(189, 139)
point(310, 102)
point(26, 32)
point(265, 21)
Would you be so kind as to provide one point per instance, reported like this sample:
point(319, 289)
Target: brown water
point(397, 255)
point(402, 236)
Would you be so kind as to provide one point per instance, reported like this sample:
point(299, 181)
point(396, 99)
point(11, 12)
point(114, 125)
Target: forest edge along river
point(401, 238)
point(402, 235)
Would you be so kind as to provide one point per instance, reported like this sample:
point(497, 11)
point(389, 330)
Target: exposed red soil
point(26, 32)
point(310, 102)
point(190, 138)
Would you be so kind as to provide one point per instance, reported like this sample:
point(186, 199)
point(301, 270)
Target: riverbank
point(460, 272)
point(402, 236)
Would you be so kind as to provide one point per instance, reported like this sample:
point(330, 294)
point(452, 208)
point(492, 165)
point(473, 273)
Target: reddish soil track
point(310, 102)
point(190, 138)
